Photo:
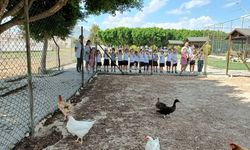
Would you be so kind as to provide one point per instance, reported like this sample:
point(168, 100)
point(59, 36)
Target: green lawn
point(22, 54)
point(219, 63)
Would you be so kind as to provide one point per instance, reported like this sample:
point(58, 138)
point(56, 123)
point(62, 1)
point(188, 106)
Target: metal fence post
point(82, 49)
point(29, 74)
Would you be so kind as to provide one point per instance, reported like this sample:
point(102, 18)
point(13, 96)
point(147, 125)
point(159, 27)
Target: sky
point(174, 14)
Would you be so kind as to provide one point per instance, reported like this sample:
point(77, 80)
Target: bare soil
point(213, 112)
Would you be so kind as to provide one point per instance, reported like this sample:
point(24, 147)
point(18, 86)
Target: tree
point(13, 9)
point(60, 24)
point(148, 36)
point(93, 33)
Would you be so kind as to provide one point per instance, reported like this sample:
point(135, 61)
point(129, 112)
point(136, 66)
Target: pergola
point(240, 36)
point(175, 42)
point(198, 41)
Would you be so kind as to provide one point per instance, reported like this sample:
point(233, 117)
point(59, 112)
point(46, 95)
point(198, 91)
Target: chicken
point(160, 105)
point(78, 128)
point(152, 144)
point(168, 110)
point(65, 107)
point(236, 147)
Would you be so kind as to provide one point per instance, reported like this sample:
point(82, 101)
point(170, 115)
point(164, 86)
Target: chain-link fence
point(221, 30)
point(53, 73)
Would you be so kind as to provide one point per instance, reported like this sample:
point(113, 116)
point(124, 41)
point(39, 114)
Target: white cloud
point(189, 5)
point(195, 3)
point(154, 5)
point(231, 3)
point(193, 23)
point(185, 23)
point(137, 19)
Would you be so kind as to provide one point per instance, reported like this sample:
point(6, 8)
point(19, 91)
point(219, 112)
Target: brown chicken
point(65, 107)
point(236, 147)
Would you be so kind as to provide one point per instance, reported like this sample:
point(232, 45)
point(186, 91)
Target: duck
point(168, 110)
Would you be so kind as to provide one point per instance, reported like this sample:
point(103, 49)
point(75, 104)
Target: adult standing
point(78, 53)
point(86, 54)
point(184, 58)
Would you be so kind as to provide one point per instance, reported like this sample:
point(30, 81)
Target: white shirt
point(86, 52)
point(136, 58)
point(155, 57)
point(169, 57)
point(125, 56)
point(106, 56)
point(146, 58)
point(132, 58)
point(174, 58)
point(200, 56)
point(189, 50)
point(99, 58)
point(78, 48)
point(141, 58)
point(162, 59)
point(119, 57)
point(150, 56)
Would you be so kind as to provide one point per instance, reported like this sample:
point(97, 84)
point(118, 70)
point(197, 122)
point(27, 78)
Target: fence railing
point(53, 73)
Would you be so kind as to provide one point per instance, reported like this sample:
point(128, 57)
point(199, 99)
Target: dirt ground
point(213, 112)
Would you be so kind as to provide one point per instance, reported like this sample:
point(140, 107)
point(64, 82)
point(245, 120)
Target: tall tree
point(12, 10)
point(93, 33)
point(60, 24)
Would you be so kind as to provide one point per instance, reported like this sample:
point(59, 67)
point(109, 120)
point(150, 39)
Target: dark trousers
point(79, 64)
point(200, 65)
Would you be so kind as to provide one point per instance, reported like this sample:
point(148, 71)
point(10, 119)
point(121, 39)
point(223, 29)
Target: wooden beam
point(228, 52)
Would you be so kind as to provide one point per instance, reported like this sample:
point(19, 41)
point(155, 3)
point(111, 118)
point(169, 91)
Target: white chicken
point(79, 128)
point(152, 144)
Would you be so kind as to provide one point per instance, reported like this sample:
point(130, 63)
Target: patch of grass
point(222, 64)
point(22, 54)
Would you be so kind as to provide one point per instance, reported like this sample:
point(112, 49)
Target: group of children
point(144, 59)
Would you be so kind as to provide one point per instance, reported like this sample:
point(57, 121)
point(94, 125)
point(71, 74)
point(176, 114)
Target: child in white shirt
point(174, 60)
point(131, 59)
point(162, 61)
point(98, 60)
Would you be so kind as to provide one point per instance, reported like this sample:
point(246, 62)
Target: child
point(120, 60)
point(200, 61)
point(113, 60)
point(141, 60)
point(132, 60)
point(168, 62)
point(98, 60)
point(192, 60)
point(146, 61)
point(162, 61)
point(155, 61)
point(106, 60)
point(136, 58)
point(150, 57)
point(92, 58)
point(174, 60)
point(125, 59)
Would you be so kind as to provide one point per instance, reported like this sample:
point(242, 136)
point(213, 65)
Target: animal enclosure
point(213, 112)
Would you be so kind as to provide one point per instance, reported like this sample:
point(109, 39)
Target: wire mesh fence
point(53, 74)
point(218, 39)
